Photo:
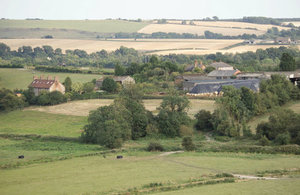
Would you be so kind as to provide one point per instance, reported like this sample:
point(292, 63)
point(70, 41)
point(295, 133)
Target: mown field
point(21, 78)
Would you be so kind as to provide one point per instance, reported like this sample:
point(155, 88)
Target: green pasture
point(12, 78)
point(99, 175)
point(41, 123)
point(101, 26)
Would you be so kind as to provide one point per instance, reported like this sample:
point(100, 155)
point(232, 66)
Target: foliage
point(204, 123)
point(88, 87)
point(155, 146)
point(264, 141)
point(287, 62)
point(68, 84)
point(107, 126)
point(119, 70)
point(109, 85)
point(188, 144)
point(283, 127)
point(9, 101)
point(52, 98)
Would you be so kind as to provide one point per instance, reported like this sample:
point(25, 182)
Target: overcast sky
point(147, 9)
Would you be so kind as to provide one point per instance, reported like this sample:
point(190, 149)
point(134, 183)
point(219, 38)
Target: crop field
point(21, 78)
point(101, 26)
point(225, 28)
point(150, 45)
point(83, 107)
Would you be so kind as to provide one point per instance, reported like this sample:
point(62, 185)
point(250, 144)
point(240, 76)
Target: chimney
point(42, 77)
point(201, 63)
point(35, 77)
point(49, 78)
point(195, 64)
point(56, 78)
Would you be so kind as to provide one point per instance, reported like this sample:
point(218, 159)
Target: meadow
point(21, 78)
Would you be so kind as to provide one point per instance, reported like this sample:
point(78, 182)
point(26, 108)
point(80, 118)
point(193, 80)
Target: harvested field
point(83, 107)
point(225, 28)
point(295, 23)
point(110, 45)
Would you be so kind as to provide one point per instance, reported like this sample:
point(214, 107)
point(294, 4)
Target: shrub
point(188, 144)
point(264, 141)
point(283, 139)
point(155, 146)
point(204, 118)
point(109, 85)
point(185, 131)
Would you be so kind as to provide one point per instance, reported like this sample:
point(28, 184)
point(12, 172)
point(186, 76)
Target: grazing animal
point(119, 157)
point(21, 156)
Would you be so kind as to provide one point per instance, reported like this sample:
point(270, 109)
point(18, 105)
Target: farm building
point(214, 88)
point(223, 74)
point(123, 80)
point(221, 66)
point(192, 67)
point(246, 76)
point(47, 84)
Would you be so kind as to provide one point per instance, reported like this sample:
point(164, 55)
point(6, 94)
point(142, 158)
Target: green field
point(101, 26)
point(41, 123)
point(11, 78)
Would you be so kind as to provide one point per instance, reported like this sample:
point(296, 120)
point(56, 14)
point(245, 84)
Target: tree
point(109, 85)
point(203, 123)
point(68, 84)
point(287, 62)
point(107, 126)
point(119, 70)
point(88, 87)
point(215, 18)
point(9, 101)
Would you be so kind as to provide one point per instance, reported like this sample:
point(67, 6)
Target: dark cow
point(21, 156)
point(119, 157)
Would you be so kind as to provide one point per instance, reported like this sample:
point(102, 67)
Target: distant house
point(188, 81)
point(221, 66)
point(123, 80)
point(282, 40)
point(223, 74)
point(192, 67)
point(47, 84)
point(214, 88)
point(246, 76)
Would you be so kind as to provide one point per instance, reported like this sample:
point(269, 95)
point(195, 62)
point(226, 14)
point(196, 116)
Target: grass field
point(21, 78)
point(102, 26)
point(83, 107)
point(41, 123)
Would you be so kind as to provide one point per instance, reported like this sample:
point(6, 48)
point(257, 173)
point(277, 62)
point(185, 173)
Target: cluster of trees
point(127, 119)
point(261, 20)
point(10, 101)
point(282, 128)
point(293, 33)
point(237, 106)
point(211, 35)
point(46, 55)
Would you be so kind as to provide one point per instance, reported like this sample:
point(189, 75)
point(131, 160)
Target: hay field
point(111, 45)
point(83, 107)
point(101, 26)
point(295, 23)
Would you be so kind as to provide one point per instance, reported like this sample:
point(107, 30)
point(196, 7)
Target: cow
point(119, 157)
point(21, 156)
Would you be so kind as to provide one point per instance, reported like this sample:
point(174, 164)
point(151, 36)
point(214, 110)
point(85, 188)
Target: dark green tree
point(287, 62)
point(109, 85)
point(119, 70)
point(188, 144)
point(88, 87)
point(204, 123)
point(68, 84)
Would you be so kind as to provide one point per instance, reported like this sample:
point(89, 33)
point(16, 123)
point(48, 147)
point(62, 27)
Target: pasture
point(21, 78)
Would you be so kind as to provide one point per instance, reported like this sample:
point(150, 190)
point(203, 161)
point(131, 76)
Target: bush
point(185, 131)
point(155, 146)
point(283, 139)
point(9, 101)
point(204, 118)
point(52, 98)
point(264, 141)
point(109, 85)
point(188, 144)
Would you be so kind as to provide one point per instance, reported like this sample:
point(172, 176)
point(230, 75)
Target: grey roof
point(222, 73)
point(217, 87)
point(192, 67)
point(194, 77)
point(217, 65)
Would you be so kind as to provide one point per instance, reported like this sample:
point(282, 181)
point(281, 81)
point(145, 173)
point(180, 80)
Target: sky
point(147, 9)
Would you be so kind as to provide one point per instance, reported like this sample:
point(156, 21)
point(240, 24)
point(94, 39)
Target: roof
point(42, 83)
point(192, 67)
point(193, 77)
point(222, 73)
point(116, 78)
point(217, 87)
point(217, 65)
